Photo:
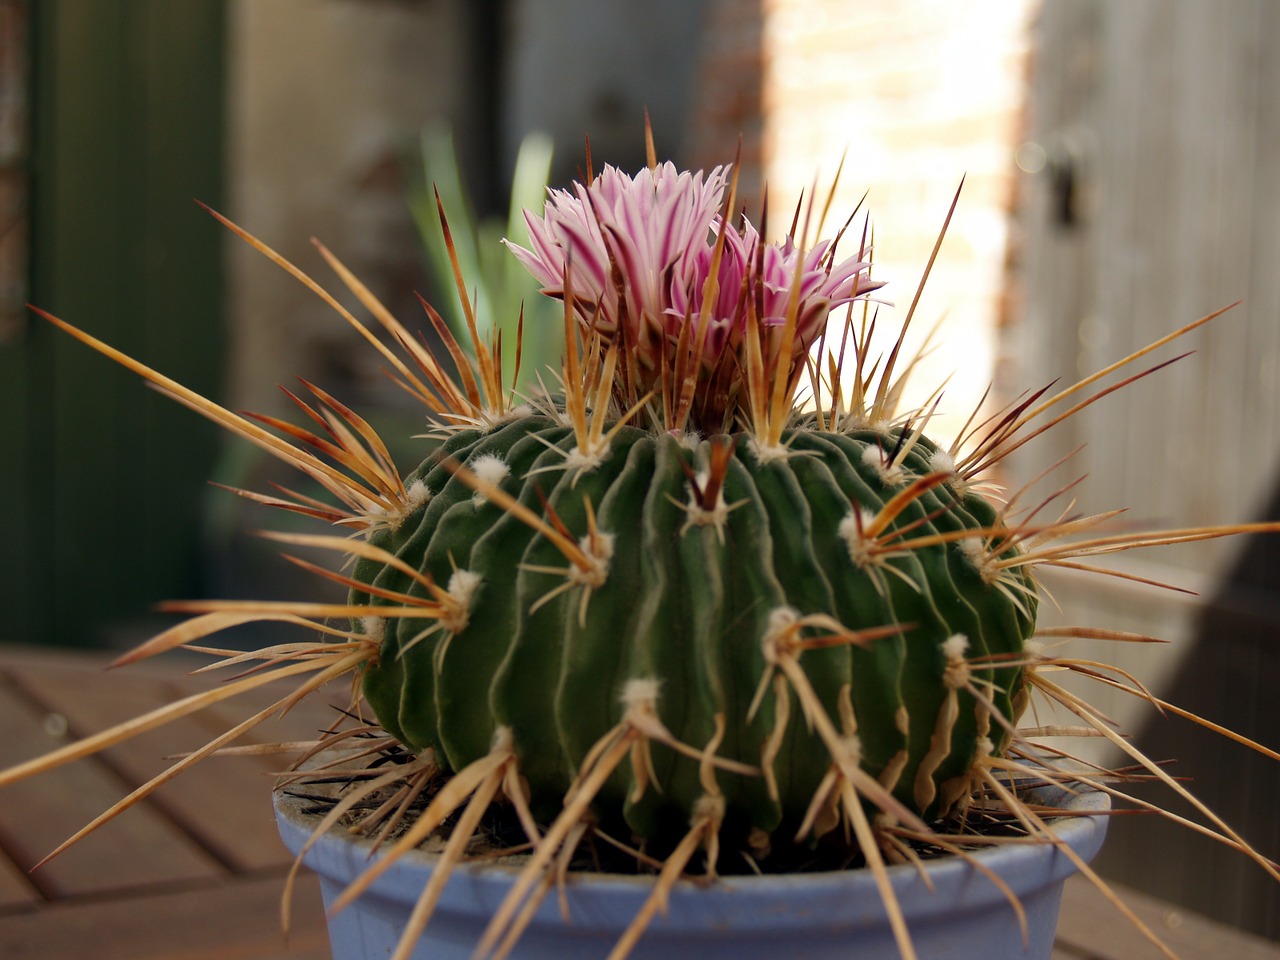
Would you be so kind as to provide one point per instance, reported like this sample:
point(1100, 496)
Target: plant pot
point(818, 915)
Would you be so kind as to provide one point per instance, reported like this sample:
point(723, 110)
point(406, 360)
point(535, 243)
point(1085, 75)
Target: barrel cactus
point(685, 571)
point(669, 538)
point(711, 588)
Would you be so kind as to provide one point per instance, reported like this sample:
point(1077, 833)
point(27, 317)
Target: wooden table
point(195, 872)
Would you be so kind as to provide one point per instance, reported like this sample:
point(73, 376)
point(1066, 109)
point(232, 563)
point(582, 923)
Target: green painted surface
point(103, 479)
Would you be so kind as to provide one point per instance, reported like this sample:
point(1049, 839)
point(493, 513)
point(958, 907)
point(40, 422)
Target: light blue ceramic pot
point(816, 916)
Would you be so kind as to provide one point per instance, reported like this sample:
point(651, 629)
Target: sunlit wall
point(915, 96)
point(921, 94)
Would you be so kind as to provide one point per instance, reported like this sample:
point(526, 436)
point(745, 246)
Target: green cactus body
point(688, 601)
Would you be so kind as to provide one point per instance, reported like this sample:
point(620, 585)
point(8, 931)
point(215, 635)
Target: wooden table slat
point(241, 834)
point(221, 921)
point(1095, 929)
point(15, 888)
point(303, 722)
point(36, 815)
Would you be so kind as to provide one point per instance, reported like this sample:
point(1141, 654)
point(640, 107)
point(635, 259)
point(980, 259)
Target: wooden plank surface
point(39, 814)
point(195, 872)
point(1091, 929)
point(227, 920)
point(15, 888)
point(1174, 151)
point(240, 835)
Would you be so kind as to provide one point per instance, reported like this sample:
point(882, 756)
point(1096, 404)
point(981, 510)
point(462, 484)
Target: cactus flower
point(637, 253)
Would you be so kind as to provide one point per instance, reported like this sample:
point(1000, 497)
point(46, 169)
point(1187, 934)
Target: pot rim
point(848, 897)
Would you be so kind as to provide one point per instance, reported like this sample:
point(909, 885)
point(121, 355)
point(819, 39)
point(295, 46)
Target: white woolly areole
point(491, 469)
point(462, 587)
point(1034, 649)
point(374, 628)
point(515, 413)
point(641, 692)
point(599, 551)
point(689, 439)
point(853, 746)
point(974, 551)
point(463, 584)
point(851, 533)
point(584, 462)
point(782, 621)
point(416, 495)
point(890, 474)
point(504, 740)
point(768, 454)
point(700, 516)
point(709, 807)
point(956, 674)
point(954, 647)
point(940, 461)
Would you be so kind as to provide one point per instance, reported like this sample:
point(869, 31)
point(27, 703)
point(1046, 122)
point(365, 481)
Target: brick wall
point(729, 99)
point(920, 93)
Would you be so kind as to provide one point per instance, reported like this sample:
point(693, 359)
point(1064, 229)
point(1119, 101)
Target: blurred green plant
point(500, 286)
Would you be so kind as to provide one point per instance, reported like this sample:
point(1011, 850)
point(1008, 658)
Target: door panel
point(103, 479)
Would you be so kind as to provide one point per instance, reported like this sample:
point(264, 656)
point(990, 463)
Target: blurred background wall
point(119, 111)
point(1153, 198)
point(1118, 182)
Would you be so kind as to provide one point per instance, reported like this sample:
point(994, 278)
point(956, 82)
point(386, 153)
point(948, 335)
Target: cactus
point(705, 566)
point(700, 557)
point(712, 589)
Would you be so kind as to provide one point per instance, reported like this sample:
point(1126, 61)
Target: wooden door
point(101, 479)
point(1156, 127)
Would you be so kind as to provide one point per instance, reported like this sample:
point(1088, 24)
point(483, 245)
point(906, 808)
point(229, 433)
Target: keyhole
point(1062, 175)
point(1060, 164)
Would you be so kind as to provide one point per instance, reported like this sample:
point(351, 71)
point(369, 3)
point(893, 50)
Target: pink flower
point(646, 225)
point(823, 288)
point(638, 252)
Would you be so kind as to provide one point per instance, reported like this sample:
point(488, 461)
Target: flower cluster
point(636, 254)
